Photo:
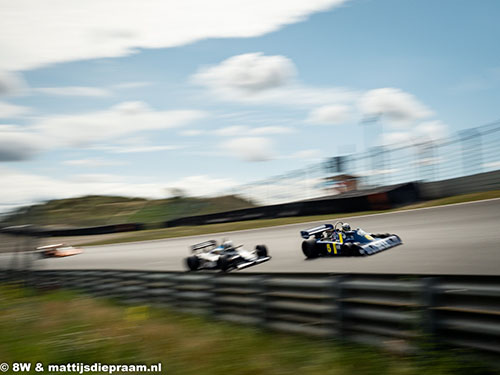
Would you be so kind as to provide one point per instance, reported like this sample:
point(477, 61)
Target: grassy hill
point(103, 210)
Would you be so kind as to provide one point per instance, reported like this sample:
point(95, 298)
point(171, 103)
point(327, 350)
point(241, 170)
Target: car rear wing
point(316, 230)
point(204, 245)
point(50, 247)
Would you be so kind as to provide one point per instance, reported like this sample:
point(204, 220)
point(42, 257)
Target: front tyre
point(193, 263)
point(310, 249)
point(261, 251)
point(347, 249)
point(224, 263)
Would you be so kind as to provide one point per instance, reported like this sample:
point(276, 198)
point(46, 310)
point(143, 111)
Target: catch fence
point(468, 152)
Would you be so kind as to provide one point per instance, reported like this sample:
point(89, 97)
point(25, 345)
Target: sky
point(136, 97)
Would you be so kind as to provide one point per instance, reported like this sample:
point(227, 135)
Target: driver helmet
point(346, 227)
point(227, 245)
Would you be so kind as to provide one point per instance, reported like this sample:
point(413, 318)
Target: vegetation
point(62, 327)
point(94, 210)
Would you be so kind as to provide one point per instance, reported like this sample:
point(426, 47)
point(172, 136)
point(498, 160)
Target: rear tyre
point(347, 249)
point(310, 249)
point(261, 251)
point(193, 263)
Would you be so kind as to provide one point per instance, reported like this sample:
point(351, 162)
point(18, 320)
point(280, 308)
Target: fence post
point(263, 297)
point(338, 300)
point(212, 283)
point(175, 301)
point(426, 160)
point(429, 302)
point(471, 151)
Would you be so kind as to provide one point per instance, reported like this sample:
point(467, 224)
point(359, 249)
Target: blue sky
point(136, 97)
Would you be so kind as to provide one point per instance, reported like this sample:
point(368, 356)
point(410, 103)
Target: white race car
point(226, 256)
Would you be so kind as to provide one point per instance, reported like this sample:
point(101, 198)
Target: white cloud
point(330, 115)
point(308, 155)
point(493, 164)
point(299, 95)
point(74, 91)
point(35, 33)
point(255, 78)
point(11, 83)
point(120, 120)
point(426, 131)
point(132, 85)
point(191, 132)
point(21, 188)
point(251, 148)
point(284, 190)
point(240, 130)
point(17, 145)
point(129, 118)
point(395, 105)
point(431, 130)
point(231, 131)
point(85, 178)
point(8, 110)
point(141, 149)
point(202, 185)
point(270, 130)
point(92, 163)
point(397, 138)
point(247, 74)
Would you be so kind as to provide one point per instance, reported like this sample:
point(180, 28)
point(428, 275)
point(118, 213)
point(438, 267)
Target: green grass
point(183, 231)
point(98, 210)
point(62, 327)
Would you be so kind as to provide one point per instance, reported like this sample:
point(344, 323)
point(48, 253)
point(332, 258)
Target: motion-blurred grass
point(95, 210)
point(156, 234)
point(62, 327)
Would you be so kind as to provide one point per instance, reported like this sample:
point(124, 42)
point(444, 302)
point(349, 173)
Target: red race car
point(57, 251)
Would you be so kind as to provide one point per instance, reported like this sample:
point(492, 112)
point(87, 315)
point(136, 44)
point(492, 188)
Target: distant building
point(340, 183)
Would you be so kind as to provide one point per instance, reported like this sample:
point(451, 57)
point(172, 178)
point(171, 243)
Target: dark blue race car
point(341, 240)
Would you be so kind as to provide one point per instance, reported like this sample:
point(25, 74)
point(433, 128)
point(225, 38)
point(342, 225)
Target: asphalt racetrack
point(456, 239)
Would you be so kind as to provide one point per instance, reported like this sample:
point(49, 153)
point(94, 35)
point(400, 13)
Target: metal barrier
point(375, 199)
point(391, 311)
point(461, 185)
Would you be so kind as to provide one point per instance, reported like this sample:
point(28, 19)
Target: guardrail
point(391, 311)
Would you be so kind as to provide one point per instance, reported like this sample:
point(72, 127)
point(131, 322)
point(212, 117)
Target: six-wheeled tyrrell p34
point(341, 240)
point(226, 256)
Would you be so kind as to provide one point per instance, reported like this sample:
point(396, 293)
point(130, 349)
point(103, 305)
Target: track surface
point(456, 239)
